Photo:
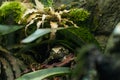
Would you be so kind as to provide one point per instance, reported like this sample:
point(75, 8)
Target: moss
point(77, 15)
point(11, 12)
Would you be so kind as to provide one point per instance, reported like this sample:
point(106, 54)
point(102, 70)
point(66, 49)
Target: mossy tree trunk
point(104, 14)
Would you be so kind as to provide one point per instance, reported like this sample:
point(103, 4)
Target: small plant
point(48, 17)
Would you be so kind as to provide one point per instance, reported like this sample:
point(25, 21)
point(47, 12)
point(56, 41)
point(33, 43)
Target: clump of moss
point(77, 15)
point(11, 12)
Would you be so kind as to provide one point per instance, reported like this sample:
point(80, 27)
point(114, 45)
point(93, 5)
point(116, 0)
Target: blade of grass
point(44, 73)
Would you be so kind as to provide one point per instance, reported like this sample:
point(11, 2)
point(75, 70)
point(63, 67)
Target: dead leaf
point(39, 24)
point(58, 16)
point(53, 25)
point(43, 19)
point(31, 17)
point(39, 6)
point(29, 11)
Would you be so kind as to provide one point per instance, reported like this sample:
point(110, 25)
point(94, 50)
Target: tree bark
point(105, 14)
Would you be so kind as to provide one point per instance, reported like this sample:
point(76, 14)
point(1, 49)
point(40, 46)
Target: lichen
point(11, 12)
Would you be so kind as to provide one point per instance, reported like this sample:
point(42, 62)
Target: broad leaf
point(44, 73)
point(6, 29)
point(38, 33)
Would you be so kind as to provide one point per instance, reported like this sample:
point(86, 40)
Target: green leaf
point(38, 33)
point(44, 73)
point(76, 36)
point(6, 29)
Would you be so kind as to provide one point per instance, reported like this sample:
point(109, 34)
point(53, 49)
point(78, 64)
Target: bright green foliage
point(11, 12)
point(77, 15)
